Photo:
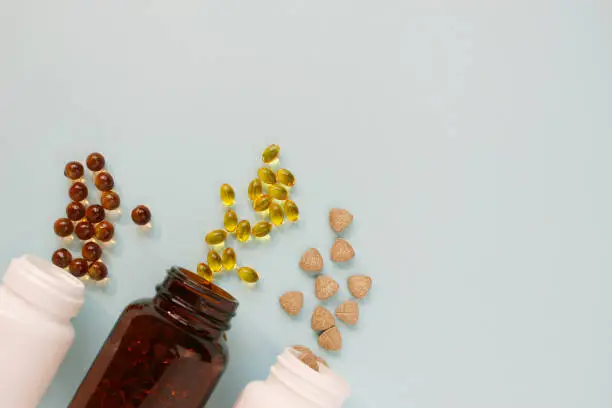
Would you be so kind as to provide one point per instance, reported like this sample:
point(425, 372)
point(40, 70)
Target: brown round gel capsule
point(141, 215)
point(95, 162)
point(84, 230)
point(110, 200)
point(62, 258)
point(104, 181)
point(98, 271)
point(95, 213)
point(104, 231)
point(75, 211)
point(78, 191)
point(73, 170)
point(63, 227)
point(78, 267)
point(91, 251)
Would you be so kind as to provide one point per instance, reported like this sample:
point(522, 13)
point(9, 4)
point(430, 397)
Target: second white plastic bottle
point(293, 384)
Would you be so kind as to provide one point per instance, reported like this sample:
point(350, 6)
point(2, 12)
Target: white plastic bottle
point(37, 301)
point(292, 384)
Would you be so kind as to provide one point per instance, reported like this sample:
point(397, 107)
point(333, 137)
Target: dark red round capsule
point(75, 211)
point(78, 267)
point(91, 251)
point(98, 271)
point(73, 170)
point(104, 181)
point(63, 227)
point(141, 215)
point(95, 162)
point(78, 191)
point(95, 213)
point(84, 230)
point(104, 231)
point(110, 200)
point(62, 258)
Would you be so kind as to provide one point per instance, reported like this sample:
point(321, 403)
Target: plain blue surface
point(471, 139)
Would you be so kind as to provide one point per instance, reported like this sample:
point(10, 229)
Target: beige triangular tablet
point(331, 339)
point(339, 219)
point(322, 319)
point(359, 285)
point(348, 312)
point(292, 303)
point(325, 287)
point(342, 251)
point(311, 261)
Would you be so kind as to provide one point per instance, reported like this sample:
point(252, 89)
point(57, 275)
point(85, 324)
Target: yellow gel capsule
point(243, 231)
point(278, 192)
point(214, 260)
point(215, 237)
point(230, 220)
point(277, 216)
point(255, 189)
point(228, 197)
point(262, 202)
point(266, 175)
point(285, 177)
point(205, 272)
point(270, 154)
point(261, 229)
point(248, 275)
point(228, 259)
point(291, 211)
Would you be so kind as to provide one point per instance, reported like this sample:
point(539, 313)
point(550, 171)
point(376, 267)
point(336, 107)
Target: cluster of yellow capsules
point(269, 196)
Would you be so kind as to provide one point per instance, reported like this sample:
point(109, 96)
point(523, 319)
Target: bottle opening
point(195, 302)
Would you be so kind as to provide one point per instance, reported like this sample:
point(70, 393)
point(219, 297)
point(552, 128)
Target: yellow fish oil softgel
point(215, 237)
point(291, 211)
point(228, 259)
point(285, 177)
point(262, 203)
point(230, 220)
point(214, 260)
point(243, 231)
point(278, 192)
point(205, 272)
point(277, 216)
point(248, 275)
point(261, 229)
point(266, 175)
point(255, 189)
point(270, 154)
point(228, 196)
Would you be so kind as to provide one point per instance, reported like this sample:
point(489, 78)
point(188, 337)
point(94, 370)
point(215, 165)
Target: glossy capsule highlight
point(262, 203)
point(248, 275)
point(278, 192)
point(291, 211)
point(230, 220)
point(270, 154)
point(255, 189)
point(285, 177)
point(214, 260)
point(266, 175)
point(228, 259)
point(216, 237)
point(276, 213)
point(227, 194)
point(243, 231)
point(261, 229)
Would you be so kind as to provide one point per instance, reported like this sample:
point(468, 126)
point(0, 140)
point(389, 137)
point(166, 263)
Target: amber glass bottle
point(165, 352)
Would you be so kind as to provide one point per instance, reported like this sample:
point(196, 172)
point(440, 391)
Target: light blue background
point(471, 139)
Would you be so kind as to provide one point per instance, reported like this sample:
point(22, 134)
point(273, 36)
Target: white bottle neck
point(323, 389)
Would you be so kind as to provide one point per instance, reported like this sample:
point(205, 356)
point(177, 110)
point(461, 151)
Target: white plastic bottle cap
point(45, 285)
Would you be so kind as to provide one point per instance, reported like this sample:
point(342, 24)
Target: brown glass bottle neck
point(195, 303)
